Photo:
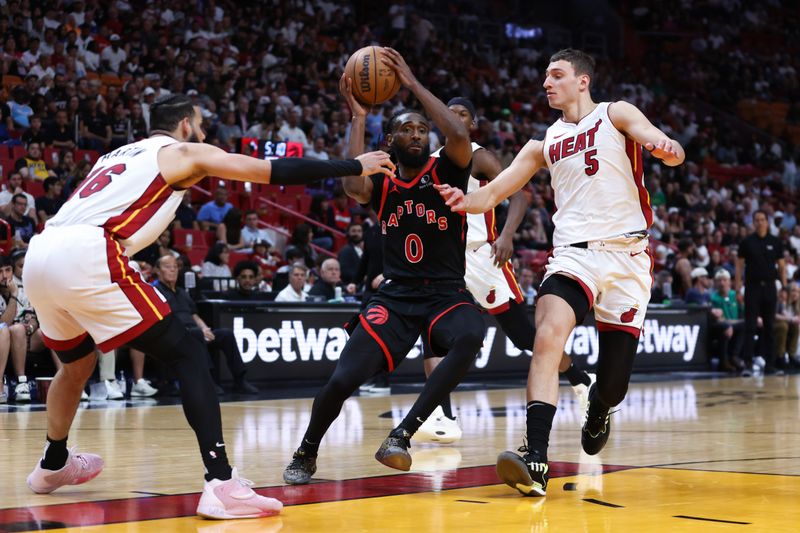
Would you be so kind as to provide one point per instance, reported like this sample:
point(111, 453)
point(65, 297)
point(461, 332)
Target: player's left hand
point(454, 198)
point(502, 249)
point(393, 58)
point(208, 334)
point(665, 150)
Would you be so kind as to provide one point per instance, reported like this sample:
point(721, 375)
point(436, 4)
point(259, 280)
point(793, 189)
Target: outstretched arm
point(631, 121)
point(457, 144)
point(528, 161)
point(184, 164)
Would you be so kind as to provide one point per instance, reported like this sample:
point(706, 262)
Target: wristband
point(297, 171)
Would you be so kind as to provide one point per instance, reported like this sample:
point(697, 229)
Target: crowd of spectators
point(79, 78)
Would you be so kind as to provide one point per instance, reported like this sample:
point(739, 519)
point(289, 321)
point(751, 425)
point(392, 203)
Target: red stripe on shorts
point(435, 320)
point(605, 326)
point(63, 346)
point(380, 342)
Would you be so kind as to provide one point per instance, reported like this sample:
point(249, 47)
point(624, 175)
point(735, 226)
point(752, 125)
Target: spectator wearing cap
point(149, 95)
point(727, 327)
point(49, 204)
point(114, 55)
point(211, 214)
point(700, 292)
point(759, 254)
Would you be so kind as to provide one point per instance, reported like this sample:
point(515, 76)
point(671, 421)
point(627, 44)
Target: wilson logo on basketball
point(377, 315)
point(490, 298)
point(628, 315)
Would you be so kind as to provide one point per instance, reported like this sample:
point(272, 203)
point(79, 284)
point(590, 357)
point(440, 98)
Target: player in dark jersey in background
point(424, 291)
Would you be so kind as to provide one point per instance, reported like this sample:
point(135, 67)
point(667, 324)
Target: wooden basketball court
point(684, 455)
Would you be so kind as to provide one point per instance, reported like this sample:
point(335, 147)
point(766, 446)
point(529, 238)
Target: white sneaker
point(759, 362)
point(22, 392)
point(439, 428)
point(3, 397)
point(113, 390)
point(142, 389)
point(84, 396)
point(582, 391)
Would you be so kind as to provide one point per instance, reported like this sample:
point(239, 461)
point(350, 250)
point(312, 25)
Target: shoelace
point(603, 419)
point(84, 462)
point(244, 482)
point(298, 460)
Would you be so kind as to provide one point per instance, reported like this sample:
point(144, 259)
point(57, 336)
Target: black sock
point(216, 462)
point(447, 408)
point(55, 455)
point(311, 448)
point(576, 376)
point(539, 422)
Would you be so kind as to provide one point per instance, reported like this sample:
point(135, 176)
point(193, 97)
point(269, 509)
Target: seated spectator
point(23, 227)
point(212, 213)
point(526, 284)
point(300, 245)
point(661, 292)
point(248, 278)
point(61, 134)
point(728, 326)
point(32, 166)
point(185, 310)
point(700, 293)
point(318, 151)
point(185, 217)
point(120, 126)
point(34, 134)
point(295, 290)
point(228, 131)
point(320, 211)
point(787, 325)
point(330, 277)
point(163, 246)
point(49, 204)
point(216, 262)
point(66, 168)
point(230, 230)
point(291, 131)
point(8, 312)
point(532, 233)
point(350, 254)
point(15, 187)
point(251, 233)
point(339, 214)
point(95, 128)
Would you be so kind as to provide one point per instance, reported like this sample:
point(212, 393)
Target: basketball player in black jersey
point(424, 291)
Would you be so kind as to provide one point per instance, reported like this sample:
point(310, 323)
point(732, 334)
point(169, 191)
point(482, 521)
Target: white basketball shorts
point(616, 278)
point(491, 287)
point(79, 282)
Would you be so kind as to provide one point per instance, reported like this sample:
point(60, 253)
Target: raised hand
point(392, 57)
point(346, 90)
point(377, 162)
point(665, 150)
point(453, 197)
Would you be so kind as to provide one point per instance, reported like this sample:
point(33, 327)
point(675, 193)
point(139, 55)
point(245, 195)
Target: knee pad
point(570, 291)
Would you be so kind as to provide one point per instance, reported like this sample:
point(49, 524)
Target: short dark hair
point(19, 195)
point(251, 212)
point(168, 111)
point(394, 122)
point(757, 211)
point(49, 183)
point(245, 265)
point(582, 62)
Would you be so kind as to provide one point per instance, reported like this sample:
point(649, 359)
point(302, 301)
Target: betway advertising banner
point(296, 343)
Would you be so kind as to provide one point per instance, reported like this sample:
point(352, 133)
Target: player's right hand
point(346, 90)
point(377, 162)
point(453, 197)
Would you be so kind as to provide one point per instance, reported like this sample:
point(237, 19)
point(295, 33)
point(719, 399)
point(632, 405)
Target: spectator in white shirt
point(295, 290)
point(113, 56)
point(318, 150)
point(291, 132)
point(31, 55)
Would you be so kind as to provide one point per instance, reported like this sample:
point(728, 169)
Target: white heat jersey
point(125, 195)
point(480, 228)
point(596, 173)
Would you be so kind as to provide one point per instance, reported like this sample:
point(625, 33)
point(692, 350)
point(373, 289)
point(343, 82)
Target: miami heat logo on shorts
point(377, 315)
point(627, 316)
point(491, 296)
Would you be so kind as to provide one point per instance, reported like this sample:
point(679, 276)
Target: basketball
point(373, 81)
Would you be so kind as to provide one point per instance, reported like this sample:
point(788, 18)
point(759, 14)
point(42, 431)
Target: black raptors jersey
point(422, 238)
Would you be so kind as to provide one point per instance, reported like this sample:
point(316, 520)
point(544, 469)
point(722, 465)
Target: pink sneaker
point(80, 468)
point(235, 499)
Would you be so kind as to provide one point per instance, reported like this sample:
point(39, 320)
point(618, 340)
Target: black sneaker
point(301, 468)
point(595, 431)
point(528, 474)
point(394, 450)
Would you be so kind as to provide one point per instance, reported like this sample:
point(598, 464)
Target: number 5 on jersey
point(592, 165)
point(98, 179)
